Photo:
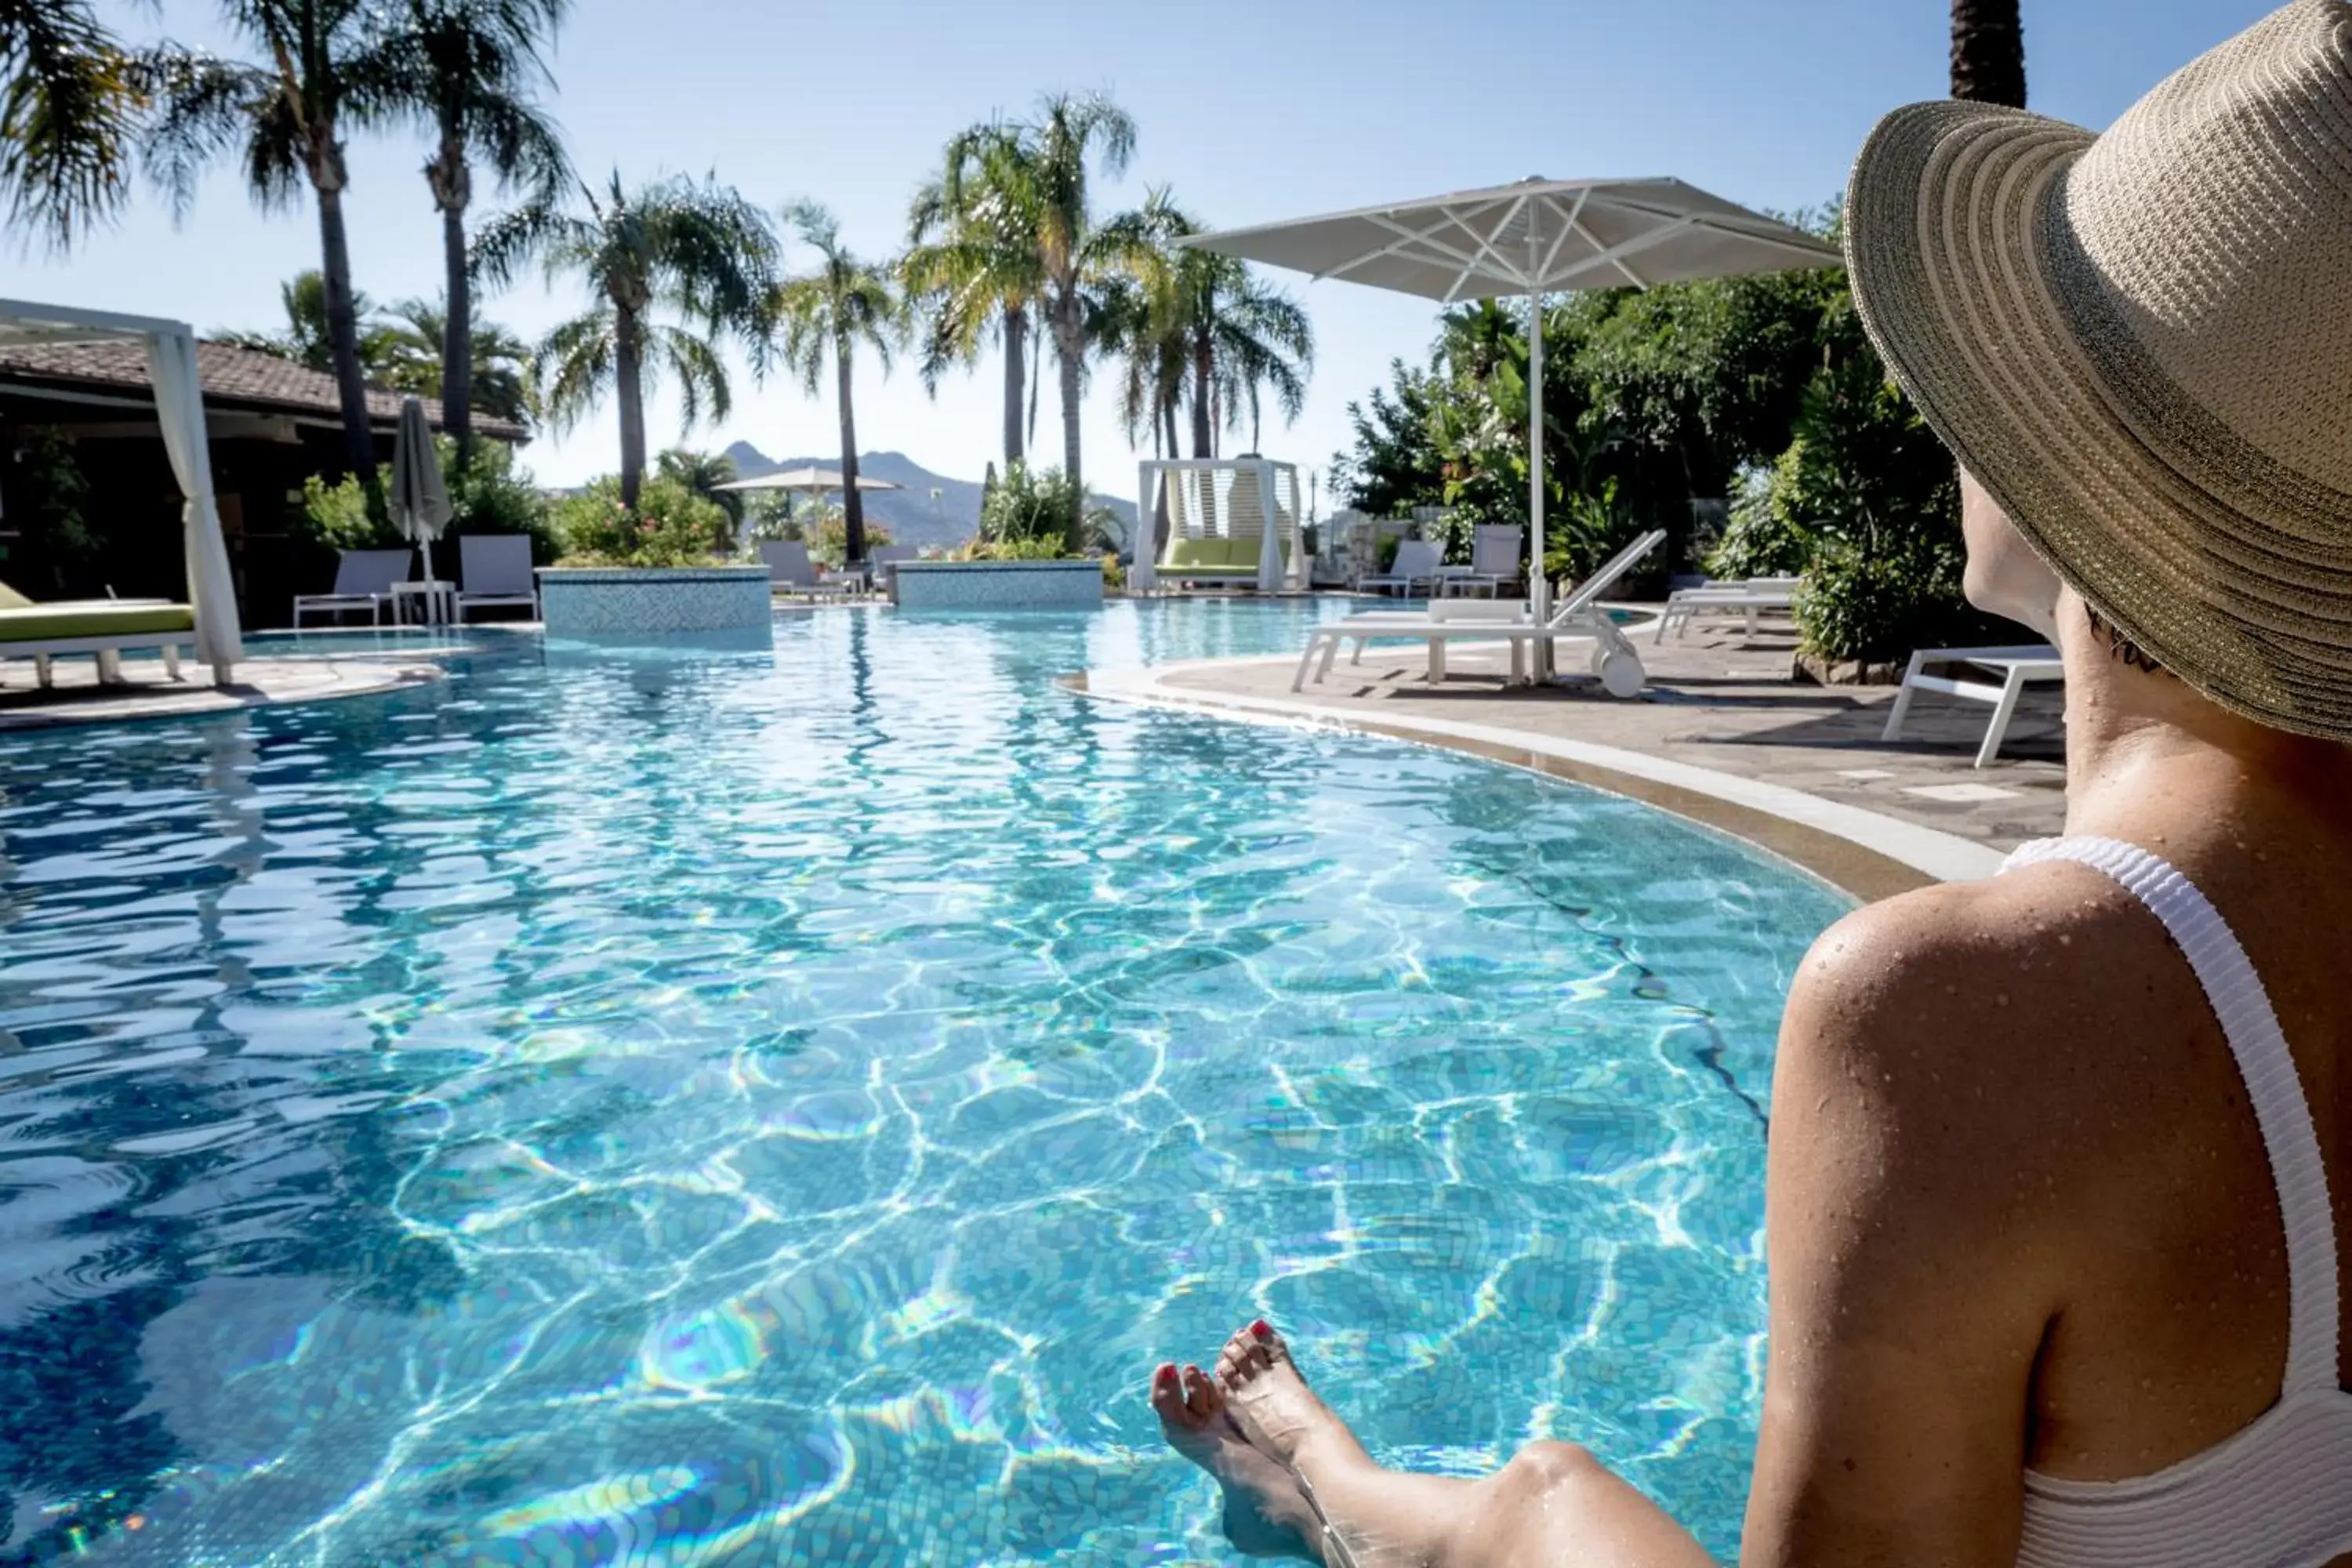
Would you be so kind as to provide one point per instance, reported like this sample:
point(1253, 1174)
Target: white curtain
point(1143, 574)
point(179, 409)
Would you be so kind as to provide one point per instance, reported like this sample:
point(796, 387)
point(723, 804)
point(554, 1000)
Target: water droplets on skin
point(674, 1108)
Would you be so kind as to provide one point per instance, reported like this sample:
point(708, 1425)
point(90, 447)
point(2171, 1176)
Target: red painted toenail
point(1262, 1329)
point(1167, 1375)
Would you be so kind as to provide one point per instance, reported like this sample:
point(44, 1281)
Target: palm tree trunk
point(1016, 345)
point(629, 392)
point(1988, 52)
point(1070, 355)
point(1204, 368)
point(344, 335)
point(852, 504)
point(452, 183)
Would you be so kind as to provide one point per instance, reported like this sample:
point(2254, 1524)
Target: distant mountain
point(911, 513)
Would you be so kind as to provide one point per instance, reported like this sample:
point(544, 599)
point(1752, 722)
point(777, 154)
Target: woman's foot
point(1275, 1408)
point(1266, 1516)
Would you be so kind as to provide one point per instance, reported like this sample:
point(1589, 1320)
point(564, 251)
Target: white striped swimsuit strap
point(2252, 1027)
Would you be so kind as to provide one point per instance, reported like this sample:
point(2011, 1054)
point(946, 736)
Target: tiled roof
point(246, 378)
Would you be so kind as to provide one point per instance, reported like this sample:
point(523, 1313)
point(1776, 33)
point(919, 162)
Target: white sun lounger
point(363, 580)
point(1720, 600)
point(2017, 667)
point(1500, 620)
point(1417, 561)
point(495, 569)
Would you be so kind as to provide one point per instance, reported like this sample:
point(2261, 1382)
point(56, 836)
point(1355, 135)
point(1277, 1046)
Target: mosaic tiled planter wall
point(1000, 584)
point(620, 601)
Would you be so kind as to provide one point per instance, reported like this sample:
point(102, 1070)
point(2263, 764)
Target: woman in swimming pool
point(2059, 1160)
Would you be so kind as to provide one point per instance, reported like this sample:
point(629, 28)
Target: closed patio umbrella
point(420, 497)
point(1537, 237)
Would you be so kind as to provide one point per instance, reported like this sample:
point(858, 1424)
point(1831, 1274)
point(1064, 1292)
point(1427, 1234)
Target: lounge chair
point(494, 569)
point(1748, 599)
point(790, 571)
point(363, 580)
point(1214, 560)
point(1579, 614)
point(2018, 667)
point(1417, 561)
point(103, 628)
point(1494, 561)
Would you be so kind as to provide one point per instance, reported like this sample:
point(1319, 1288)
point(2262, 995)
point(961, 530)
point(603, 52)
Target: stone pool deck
point(78, 698)
point(1725, 734)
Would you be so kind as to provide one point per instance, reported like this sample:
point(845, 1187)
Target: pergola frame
point(1282, 561)
point(179, 412)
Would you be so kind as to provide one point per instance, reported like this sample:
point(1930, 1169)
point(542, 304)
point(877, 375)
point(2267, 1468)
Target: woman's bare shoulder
point(1977, 1027)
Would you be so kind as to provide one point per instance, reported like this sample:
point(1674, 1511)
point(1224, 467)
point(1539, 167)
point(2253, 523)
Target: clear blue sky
point(1250, 113)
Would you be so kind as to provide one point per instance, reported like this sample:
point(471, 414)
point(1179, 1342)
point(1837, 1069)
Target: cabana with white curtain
point(180, 411)
point(1234, 521)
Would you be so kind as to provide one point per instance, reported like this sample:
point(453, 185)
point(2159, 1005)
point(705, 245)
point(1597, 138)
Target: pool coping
point(1865, 853)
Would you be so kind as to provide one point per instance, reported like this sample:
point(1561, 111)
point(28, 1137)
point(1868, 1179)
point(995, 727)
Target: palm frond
point(69, 114)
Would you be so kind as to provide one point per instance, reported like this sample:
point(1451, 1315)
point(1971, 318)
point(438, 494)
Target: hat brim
point(1962, 273)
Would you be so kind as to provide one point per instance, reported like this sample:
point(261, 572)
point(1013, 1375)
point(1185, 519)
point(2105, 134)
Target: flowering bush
point(672, 526)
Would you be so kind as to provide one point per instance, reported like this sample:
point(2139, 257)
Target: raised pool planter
point(999, 584)
point(610, 602)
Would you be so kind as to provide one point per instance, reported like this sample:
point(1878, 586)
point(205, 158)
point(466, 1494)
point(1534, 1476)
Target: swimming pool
point(672, 1108)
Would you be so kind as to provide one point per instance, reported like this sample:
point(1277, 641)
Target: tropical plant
point(1989, 52)
point(972, 260)
point(828, 537)
point(698, 251)
point(704, 473)
point(317, 76)
point(488, 494)
point(407, 348)
point(470, 69)
point(304, 337)
point(840, 305)
point(70, 100)
point(1025, 515)
point(664, 525)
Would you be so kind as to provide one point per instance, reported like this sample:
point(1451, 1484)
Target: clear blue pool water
point(681, 1108)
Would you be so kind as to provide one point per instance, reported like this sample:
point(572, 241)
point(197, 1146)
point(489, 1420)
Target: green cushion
point(1217, 557)
point(12, 600)
point(56, 623)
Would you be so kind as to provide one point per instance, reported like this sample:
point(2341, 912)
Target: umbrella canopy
point(1537, 237)
point(420, 497)
point(806, 481)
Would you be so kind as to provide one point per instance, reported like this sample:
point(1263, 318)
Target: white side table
point(436, 602)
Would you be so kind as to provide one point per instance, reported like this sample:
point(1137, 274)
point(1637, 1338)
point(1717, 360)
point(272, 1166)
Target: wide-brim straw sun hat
point(2140, 343)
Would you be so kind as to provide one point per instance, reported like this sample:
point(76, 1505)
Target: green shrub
point(1017, 549)
point(1584, 531)
point(1028, 504)
point(489, 495)
point(336, 515)
point(1756, 543)
point(1384, 552)
point(828, 538)
point(672, 526)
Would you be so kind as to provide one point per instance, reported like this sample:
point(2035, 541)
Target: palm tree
point(697, 251)
point(304, 339)
point(1237, 336)
point(842, 304)
point(68, 118)
point(973, 258)
point(704, 473)
point(470, 69)
point(407, 348)
point(317, 76)
point(1989, 52)
point(1074, 256)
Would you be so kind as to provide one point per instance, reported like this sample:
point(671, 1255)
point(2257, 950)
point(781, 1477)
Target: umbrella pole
point(1538, 588)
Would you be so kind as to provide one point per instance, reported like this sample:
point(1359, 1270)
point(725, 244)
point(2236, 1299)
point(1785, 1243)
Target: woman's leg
point(1553, 1506)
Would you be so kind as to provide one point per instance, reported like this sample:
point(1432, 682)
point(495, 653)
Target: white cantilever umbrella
point(805, 481)
point(1537, 237)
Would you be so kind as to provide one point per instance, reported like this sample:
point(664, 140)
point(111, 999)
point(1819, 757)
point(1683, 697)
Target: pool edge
point(1864, 853)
